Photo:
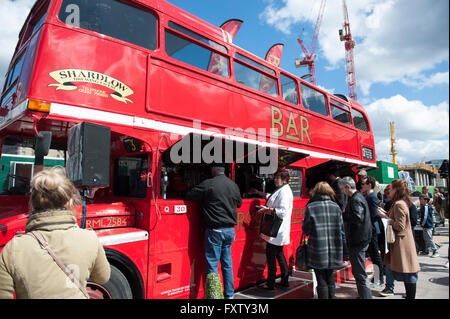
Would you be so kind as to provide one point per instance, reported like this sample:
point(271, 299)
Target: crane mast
point(393, 151)
point(346, 36)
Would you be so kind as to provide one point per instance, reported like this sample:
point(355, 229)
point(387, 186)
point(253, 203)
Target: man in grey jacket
point(359, 232)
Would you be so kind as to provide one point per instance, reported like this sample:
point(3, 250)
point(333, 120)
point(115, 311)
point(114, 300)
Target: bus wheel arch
point(124, 275)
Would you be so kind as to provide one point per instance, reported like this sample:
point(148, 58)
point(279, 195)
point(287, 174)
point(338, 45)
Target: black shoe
point(386, 292)
point(283, 284)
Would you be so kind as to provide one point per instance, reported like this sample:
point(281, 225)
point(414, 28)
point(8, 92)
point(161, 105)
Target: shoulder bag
point(50, 251)
point(390, 235)
point(301, 254)
point(270, 223)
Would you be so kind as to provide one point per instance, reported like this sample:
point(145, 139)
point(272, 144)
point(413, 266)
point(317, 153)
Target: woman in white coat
point(279, 202)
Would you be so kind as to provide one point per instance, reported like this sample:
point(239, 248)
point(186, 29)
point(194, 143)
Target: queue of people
point(333, 207)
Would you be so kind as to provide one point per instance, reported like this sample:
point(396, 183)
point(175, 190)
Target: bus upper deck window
point(313, 100)
point(289, 89)
point(340, 115)
point(359, 120)
point(253, 78)
point(191, 53)
point(112, 18)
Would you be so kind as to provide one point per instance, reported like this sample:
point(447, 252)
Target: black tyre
point(118, 286)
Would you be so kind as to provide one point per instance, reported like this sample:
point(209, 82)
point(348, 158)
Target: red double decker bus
point(170, 88)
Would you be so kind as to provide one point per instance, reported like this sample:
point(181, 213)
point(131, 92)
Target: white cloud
point(12, 16)
point(412, 119)
point(421, 131)
point(396, 40)
point(412, 151)
point(436, 78)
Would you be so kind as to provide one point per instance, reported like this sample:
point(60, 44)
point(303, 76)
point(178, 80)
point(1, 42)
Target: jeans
point(389, 277)
point(375, 256)
point(218, 247)
point(428, 238)
point(410, 278)
point(274, 253)
point(358, 262)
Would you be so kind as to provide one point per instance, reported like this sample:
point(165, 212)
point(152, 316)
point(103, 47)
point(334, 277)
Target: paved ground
point(433, 278)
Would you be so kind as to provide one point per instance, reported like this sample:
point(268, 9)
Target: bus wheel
point(116, 288)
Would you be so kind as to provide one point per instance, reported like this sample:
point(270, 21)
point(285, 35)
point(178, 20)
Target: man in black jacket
point(359, 233)
point(220, 198)
point(367, 188)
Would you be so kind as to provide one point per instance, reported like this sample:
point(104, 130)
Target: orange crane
point(309, 58)
point(345, 35)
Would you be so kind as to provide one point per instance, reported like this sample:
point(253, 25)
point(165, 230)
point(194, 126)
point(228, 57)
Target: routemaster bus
point(142, 97)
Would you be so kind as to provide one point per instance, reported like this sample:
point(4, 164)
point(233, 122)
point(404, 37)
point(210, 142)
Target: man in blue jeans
point(427, 222)
point(220, 198)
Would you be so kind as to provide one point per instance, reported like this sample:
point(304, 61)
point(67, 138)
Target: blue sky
point(401, 57)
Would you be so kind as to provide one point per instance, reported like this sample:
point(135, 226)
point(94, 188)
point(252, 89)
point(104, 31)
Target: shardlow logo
point(67, 77)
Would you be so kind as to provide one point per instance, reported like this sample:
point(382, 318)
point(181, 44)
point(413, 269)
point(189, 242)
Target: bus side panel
point(176, 261)
point(116, 82)
point(249, 249)
point(366, 139)
point(298, 214)
point(193, 97)
point(324, 131)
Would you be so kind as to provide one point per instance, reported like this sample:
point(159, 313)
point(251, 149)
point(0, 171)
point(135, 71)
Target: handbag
point(270, 224)
point(301, 255)
point(390, 235)
point(44, 245)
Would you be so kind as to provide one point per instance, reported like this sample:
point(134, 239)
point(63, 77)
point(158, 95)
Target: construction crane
point(345, 35)
point(309, 58)
point(393, 151)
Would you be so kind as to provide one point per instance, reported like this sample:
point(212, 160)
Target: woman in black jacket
point(323, 223)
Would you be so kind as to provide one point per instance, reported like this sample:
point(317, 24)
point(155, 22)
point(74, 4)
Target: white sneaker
point(435, 254)
point(446, 264)
point(376, 285)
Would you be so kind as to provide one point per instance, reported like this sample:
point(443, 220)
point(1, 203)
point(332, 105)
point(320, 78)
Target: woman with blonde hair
point(323, 224)
point(28, 268)
point(402, 255)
